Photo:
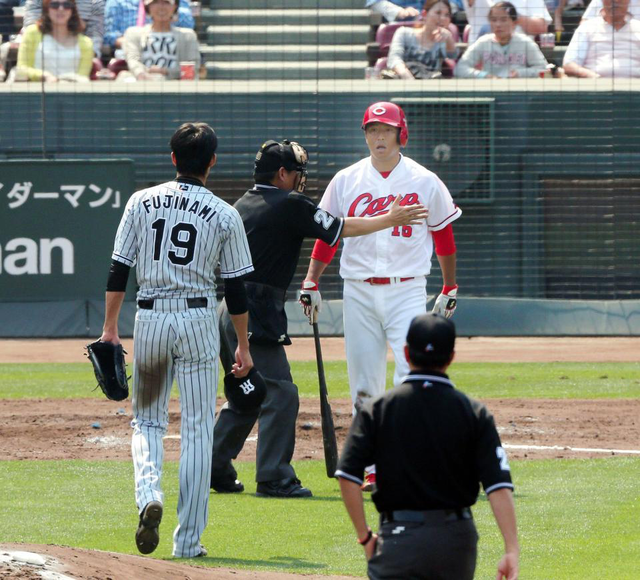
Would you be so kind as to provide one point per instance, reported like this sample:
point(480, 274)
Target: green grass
point(577, 518)
point(482, 380)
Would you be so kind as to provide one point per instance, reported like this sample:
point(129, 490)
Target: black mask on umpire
point(288, 154)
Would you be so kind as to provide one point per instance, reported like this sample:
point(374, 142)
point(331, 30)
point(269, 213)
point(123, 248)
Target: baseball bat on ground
point(328, 430)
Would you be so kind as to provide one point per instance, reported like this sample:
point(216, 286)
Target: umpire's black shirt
point(431, 445)
point(277, 222)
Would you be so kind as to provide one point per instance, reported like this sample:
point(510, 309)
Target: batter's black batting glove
point(447, 301)
point(311, 300)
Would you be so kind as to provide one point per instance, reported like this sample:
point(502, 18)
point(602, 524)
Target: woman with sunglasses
point(54, 49)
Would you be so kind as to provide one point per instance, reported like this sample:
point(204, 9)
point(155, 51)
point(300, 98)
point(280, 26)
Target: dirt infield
point(476, 349)
point(93, 429)
point(99, 429)
point(62, 563)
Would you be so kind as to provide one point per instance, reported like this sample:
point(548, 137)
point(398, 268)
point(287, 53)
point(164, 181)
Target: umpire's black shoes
point(148, 535)
point(227, 485)
point(284, 488)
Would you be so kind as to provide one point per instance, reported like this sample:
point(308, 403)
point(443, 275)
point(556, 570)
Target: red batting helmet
point(388, 114)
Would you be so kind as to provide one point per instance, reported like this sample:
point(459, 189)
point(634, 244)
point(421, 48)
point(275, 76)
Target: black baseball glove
point(110, 369)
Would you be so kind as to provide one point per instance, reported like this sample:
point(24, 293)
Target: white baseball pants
point(375, 315)
point(172, 340)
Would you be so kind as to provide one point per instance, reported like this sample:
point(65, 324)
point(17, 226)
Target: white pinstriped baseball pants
point(170, 341)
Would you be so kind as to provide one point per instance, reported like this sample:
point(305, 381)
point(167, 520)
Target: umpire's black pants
point(442, 548)
point(276, 417)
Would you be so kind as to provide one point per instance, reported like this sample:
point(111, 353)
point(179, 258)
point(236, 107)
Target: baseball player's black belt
point(377, 281)
point(426, 517)
point(147, 304)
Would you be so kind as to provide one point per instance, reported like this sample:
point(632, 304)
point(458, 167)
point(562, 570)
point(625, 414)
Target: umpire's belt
point(426, 517)
point(147, 304)
point(379, 281)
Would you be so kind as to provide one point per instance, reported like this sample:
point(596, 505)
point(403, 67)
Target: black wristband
point(235, 295)
point(118, 276)
point(367, 539)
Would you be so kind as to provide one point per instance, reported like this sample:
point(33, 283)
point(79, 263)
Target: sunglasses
point(58, 5)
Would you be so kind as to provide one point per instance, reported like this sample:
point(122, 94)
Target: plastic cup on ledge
point(370, 72)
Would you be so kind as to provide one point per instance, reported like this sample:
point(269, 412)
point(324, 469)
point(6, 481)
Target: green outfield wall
point(547, 176)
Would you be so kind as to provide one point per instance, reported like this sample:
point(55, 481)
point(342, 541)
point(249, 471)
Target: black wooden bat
point(328, 430)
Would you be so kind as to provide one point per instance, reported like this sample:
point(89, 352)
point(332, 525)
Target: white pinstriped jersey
point(360, 191)
point(178, 234)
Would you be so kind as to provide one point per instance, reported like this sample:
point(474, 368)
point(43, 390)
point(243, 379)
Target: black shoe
point(147, 535)
point(227, 485)
point(288, 487)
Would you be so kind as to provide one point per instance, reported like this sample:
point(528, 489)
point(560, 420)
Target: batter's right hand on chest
point(311, 300)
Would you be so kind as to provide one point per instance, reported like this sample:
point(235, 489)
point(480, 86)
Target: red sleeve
point(444, 242)
point(323, 252)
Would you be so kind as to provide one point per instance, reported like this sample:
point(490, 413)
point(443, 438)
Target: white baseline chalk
point(576, 449)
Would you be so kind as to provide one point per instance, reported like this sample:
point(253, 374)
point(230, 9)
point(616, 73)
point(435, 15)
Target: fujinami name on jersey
point(177, 202)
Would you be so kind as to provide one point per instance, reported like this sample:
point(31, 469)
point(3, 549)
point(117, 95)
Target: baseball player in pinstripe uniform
point(177, 234)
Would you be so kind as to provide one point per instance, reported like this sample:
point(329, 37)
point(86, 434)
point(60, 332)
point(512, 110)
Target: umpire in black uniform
point(432, 445)
point(277, 218)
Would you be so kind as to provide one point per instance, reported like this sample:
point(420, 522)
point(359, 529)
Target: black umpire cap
point(431, 339)
point(273, 155)
point(246, 393)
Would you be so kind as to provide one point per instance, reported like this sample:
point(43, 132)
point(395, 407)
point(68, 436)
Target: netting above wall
point(545, 169)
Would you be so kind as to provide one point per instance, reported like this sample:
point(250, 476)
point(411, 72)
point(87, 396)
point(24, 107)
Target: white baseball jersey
point(360, 191)
point(177, 233)
point(377, 315)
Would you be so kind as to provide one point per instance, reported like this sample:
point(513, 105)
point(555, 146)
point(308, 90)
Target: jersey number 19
point(183, 237)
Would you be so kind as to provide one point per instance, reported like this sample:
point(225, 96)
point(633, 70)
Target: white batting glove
point(309, 297)
point(446, 303)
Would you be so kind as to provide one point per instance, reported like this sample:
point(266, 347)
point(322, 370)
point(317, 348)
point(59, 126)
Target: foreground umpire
point(431, 445)
point(277, 218)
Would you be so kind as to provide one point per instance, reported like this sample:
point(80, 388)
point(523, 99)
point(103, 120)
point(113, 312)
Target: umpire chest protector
point(277, 222)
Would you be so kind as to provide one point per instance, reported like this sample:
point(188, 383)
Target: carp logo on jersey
point(366, 206)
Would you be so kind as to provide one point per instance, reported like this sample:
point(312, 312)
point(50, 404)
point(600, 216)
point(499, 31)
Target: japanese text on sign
point(92, 195)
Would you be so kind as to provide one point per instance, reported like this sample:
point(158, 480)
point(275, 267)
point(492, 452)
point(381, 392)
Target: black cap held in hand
point(247, 393)
point(431, 338)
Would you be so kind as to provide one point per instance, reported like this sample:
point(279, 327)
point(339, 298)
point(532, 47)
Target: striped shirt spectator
point(122, 14)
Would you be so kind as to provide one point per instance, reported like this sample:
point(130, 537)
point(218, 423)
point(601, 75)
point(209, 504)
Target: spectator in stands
point(7, 28)
point(504, 53)
point(155, 51)
point(595, 7)
point(556, 9)
point(54, 49)
point(6, 18)
point(400, 10)
point(607, 45)
point(418, 52)
point(90, 11)
point(533, 17)
point(122, 14)
point(396, 11)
